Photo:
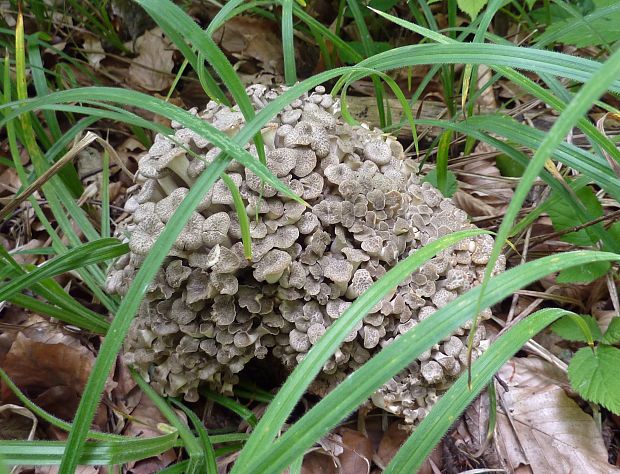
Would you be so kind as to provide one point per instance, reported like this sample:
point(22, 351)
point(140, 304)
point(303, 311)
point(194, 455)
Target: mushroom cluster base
point(210, 311)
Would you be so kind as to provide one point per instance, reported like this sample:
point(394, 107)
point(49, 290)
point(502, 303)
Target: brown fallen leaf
point(317, 462)
point(152, 68)
point(252, 38)
point(541, 429)
point(358, 452)
point(391, 442)
point(52, 374)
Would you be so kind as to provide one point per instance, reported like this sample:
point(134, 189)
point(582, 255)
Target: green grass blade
point(244, 220)
point(288, 46)
point(203, 435)
point(357, 387)
point(297, 383)
point(42, 453)
point(105, 195)
point(451, 404)
point(246, 414)
point(368, 45)
point(192, 446)
point(87, 254)
point(96, 325)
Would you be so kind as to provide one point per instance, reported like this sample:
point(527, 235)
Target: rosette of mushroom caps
point(210, 311)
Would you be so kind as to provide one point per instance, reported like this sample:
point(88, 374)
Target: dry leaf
point(52, 374)
point(152, 69)
point(544, 430)
point(319, 463)
point(17, 422)
point(358, 452)
point(94, 52)
point(252, 38)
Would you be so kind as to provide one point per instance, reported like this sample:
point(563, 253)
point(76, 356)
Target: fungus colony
point(209, 310)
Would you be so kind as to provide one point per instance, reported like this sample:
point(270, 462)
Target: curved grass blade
point(416, 449)
point(46, 453)
point(207, 447)
point(244, 220)
point(357, 387)
point(87, 254)
point(197, 457)
point(297, 383)
point(95, 324)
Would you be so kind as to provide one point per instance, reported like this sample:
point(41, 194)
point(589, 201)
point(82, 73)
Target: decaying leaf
point(252, 39)
point(152, 68)
point(357, 455)
point(540, 428)
point(94, 52)
point(51, 372)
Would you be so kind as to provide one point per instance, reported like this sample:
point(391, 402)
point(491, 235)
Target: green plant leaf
point(612, 335)
point(41, 453)
point(471, 7)
point(567, 328)
point(451, 183)
point(508, 167)
point(583, 273)
point(563, 217)
point(595, 375)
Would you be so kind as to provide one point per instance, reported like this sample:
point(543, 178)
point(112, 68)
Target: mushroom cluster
point(209, 310)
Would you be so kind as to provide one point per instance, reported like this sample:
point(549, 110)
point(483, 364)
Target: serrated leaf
point(451, 184)
point(583, 273)
point(594, 374)
point(568, 329)
point(563, 216)
point(471, 7)
point(612, 335)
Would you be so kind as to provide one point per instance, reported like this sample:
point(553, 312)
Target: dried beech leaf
point(52, 374)
point(318, 463)
point(152, 69)
point(252, 38)
point(545, 430)
point(357, 455)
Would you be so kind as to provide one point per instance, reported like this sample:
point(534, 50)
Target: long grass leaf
point(92, 252)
